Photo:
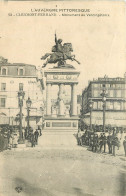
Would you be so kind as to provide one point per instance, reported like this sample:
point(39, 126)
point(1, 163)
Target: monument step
point(57, 140)
point(58, 133)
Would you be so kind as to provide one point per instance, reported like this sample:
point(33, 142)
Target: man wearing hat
point(36, 133)
point(109, 142)
point(103, 141)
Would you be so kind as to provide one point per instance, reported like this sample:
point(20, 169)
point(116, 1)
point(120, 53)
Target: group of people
point(26, 132)
point(99, 141)
point(33, 136)
point(10, 137)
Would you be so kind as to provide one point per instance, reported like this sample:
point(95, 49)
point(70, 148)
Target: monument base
point(61, 123)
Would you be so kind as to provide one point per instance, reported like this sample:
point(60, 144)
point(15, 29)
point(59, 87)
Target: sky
point(99, 43)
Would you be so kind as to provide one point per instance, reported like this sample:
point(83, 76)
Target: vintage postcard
point(63, 98)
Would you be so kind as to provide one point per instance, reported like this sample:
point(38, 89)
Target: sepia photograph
point(63, 98)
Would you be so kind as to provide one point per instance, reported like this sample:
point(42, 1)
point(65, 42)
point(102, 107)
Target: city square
point(61, 171)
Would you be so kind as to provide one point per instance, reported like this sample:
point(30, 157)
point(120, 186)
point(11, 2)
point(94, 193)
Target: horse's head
point(67, 47)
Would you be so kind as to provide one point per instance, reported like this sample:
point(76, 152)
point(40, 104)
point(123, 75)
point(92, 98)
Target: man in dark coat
point(103, 141)
point(33, 139)
point(40, 131)
point(109, 142)
point(115, 142)
point(36, 133)
point(95, 143)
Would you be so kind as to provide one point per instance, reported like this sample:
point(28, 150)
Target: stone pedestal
point(60, 124)
point(61, 77)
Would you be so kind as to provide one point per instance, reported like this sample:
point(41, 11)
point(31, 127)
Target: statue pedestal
point(61, 77)
point(61, 123)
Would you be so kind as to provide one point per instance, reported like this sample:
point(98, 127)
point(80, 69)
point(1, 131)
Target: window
point(118, 85)
point(4, 71)
point(96, 93)
point(100, 104)
point(111, 93)
point(109, 105)
point(20, 86)
point(117, 106)
point(2, 102)
point(20, 71)
point(95, 105)
point(118, 93)
point(3, 86)
point(95, 85)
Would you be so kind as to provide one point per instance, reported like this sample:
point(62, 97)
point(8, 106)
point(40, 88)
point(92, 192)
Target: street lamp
point(20, 98)
point(91, 106)
point(104, 94)
point(28, 104)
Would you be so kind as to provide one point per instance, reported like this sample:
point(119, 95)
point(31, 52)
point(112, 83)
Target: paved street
point(61, 171)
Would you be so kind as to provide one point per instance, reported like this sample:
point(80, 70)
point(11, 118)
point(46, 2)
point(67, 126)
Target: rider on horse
point(60, 53)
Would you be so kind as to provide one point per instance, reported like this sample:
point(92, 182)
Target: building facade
point(15, 78)
point(115, 111)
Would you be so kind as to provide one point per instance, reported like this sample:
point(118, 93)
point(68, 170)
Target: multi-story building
point(20, 77)
point(115, 112)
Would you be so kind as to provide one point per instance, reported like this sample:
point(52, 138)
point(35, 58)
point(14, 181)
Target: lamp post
point(28, 104)
point(20, 98)
point(91, 106)
point(104, 94)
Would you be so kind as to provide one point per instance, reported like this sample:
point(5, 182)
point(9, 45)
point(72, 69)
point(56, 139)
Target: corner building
point(20, 77)
point(115, 114)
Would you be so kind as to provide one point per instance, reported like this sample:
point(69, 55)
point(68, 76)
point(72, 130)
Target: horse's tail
point(76, 61)
point(45, 56)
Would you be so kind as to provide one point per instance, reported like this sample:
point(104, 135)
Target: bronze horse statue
point(61, 56)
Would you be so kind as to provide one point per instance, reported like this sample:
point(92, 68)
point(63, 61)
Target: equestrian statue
point(60, 53)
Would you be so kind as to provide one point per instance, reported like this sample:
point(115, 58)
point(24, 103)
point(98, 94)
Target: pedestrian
point(79, 137)
point(15, 140)
point(8, 135)
point(23, 133)
point(83, 138)
point(124, 145)
point(95, 143)
point(10, 142)
point(91, 140)
point(32, 140)
point(40, 131)
point(1, 141)
point(109, 142)
point(86, 138)
point(36, 133)
point(103, 141)
point(5, 140)
point(115, 142)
